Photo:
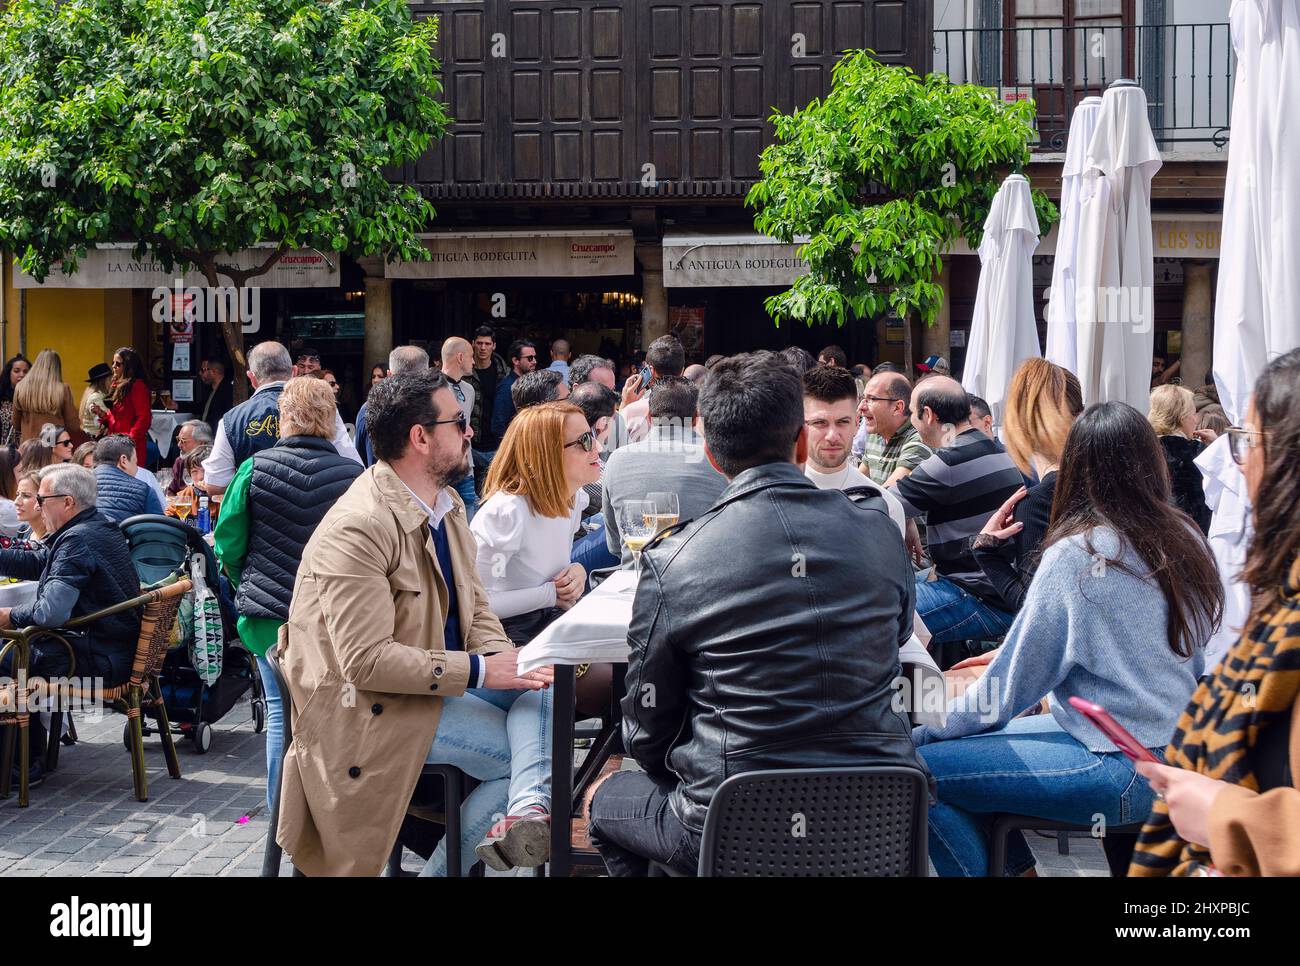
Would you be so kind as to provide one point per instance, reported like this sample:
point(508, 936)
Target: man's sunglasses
point(461, 421)
point(587, 441)
point(40, 500)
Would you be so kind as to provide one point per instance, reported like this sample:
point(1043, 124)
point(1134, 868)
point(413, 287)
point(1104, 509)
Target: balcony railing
point(1185, 69)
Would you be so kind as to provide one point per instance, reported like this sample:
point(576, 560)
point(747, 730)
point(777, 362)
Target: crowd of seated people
point(1058, 555)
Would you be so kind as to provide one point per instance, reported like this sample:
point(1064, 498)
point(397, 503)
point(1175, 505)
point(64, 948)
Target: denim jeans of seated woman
point(952, 613)
point(503, 739)
point(1030, 767)
point(591, 550)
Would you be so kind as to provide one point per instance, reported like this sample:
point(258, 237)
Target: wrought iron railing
point(1186, 70)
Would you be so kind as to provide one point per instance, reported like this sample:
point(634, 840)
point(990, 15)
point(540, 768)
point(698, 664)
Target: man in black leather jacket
point(760, 638)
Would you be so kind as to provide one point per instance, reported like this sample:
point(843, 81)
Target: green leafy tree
point(199, 128)
point(881, 176)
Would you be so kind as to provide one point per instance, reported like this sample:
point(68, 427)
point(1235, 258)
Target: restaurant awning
point(571, 253)
point(706, 260)
point(112, 266)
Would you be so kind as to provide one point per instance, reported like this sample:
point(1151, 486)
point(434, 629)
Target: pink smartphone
point(1113, 730)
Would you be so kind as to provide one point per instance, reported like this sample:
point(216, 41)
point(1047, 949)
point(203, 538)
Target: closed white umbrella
point(1004, 332)
point(1062, 336)
point(1114, 293)
point(1257, 305)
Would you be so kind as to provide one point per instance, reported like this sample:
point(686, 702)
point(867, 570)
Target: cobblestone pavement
point(84, 819)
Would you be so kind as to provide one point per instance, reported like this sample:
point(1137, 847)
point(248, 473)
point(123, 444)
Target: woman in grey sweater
point(1125, 596)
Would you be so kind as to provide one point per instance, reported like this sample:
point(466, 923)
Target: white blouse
point(520, 553)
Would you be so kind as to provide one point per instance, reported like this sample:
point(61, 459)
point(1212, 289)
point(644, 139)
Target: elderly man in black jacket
point(84, 566)
point(783, 658)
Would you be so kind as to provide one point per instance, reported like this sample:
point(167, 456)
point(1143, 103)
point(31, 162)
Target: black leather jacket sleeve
point(655, 706)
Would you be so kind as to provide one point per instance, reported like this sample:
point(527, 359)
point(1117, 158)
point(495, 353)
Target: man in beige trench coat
point(373, 650)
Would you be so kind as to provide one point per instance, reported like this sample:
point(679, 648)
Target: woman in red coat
point(130, 400)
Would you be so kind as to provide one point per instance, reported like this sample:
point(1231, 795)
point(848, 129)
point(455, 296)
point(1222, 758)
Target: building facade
point(592, 184)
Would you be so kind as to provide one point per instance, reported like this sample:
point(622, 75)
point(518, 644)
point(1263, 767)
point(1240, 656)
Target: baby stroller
point(160, 546)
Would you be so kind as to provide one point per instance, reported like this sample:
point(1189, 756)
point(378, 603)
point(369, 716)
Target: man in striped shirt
point(956, 490)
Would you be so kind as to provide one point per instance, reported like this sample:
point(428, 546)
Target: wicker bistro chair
point(138, 692)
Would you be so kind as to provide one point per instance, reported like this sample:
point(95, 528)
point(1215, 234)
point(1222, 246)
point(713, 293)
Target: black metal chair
point(1117, 840)
point(817, 822)
point(454, 790)
point(454, 781)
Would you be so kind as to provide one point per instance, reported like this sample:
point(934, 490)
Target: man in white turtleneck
point(830, 410)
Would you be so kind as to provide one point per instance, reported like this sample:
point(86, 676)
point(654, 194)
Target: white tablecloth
point(594, 631)
point(163, 425)
point(23, 592)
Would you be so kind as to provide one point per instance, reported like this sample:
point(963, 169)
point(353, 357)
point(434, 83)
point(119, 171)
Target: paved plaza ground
point(84, 820)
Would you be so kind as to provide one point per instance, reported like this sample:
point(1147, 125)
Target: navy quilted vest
point(294, 484)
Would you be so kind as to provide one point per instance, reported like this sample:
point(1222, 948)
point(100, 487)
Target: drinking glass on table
point(182, 507)
point(636, 523)
point(667, 510)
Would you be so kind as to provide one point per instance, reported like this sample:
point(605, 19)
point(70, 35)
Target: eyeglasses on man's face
point(40, 500)
point(460, 419)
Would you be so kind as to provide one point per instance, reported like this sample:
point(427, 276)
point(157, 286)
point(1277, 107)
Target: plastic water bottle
point(205, 516)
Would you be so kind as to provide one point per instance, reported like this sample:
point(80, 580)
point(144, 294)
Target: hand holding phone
point(1112, 729)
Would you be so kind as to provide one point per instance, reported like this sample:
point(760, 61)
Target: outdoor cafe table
point(594, 631)
point(16, 594)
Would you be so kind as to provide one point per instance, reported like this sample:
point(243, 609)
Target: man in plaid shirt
point(892, 448)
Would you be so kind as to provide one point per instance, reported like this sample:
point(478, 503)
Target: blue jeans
point(502, 738)
point(591, 550)
point(470, 495)
point(274, 729)
point(1030, 767)
point(952, 613)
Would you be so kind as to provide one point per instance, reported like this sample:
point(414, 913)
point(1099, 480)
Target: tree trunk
point(907, 347)
point(231, 329)
point(231, 333)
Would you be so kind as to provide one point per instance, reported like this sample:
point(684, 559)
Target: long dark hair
point(1276, 542)
point(132, 369)
point(1113, 475)
point(8, 469)
point(6, 379)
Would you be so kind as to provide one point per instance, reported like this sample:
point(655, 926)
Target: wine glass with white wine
point(667, 510)
point(636, 524)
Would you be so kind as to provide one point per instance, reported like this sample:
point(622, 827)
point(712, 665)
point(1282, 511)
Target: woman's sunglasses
point(64, 442)
point(587, 441)
point(1241, 441)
